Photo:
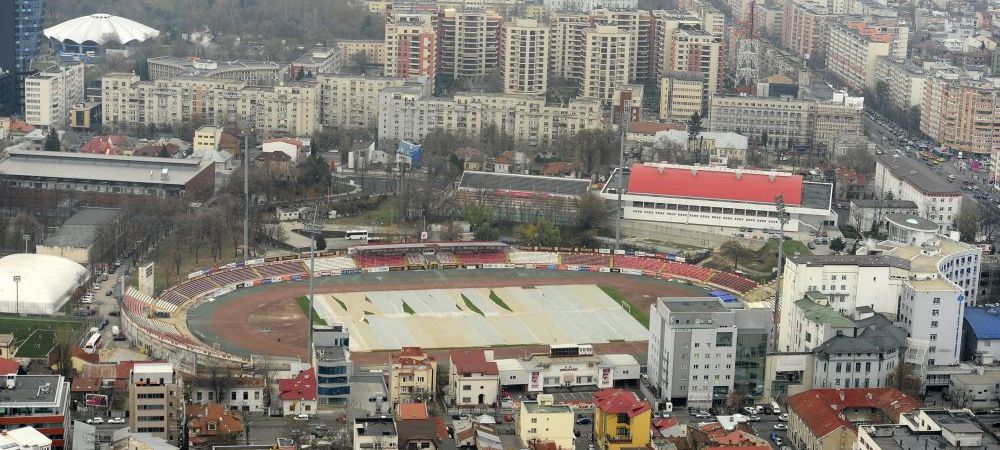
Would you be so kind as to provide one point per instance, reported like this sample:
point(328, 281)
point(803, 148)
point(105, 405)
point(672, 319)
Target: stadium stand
point(415, 261)
point(689, 271)
point(334, 263)
point(732, 281)
point(189, 290)
point(227, 277)
point(513, 183)
point(638, 263)
point(586, 259)
point(446, 260)
point(534, 258)
point(282, 268)
point(367, 261)
point(470, 259)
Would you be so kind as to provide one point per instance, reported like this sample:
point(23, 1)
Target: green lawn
point(341, 303)
point(303, 302)
point(407, 309)
point(36, 335)
point(496, 299)
point(637, 313)
point(472, 306)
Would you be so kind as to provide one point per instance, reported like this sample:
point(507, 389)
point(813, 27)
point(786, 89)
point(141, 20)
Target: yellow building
point(524, 55)
point(543, 420)
point(621, 420)
point(207, 138)
point(681, 95)
point(412, 376)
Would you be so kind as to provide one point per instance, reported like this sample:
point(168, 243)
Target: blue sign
point(410, 150)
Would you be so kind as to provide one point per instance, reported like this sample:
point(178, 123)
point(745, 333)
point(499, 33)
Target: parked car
point(780, 426)
point(95, 421)
point(583, 421)
point(301, 417)
point(508, 418)
point(783, 417)
point(702, 415)
point(778, 442)
point(116, 420)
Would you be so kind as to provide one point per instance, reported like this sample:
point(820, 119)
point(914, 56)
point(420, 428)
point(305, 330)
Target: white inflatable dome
point(45, 284)
point(100, 29)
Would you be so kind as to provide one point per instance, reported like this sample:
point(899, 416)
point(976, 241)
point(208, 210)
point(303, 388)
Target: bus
point(361, 235)
point(92, 343)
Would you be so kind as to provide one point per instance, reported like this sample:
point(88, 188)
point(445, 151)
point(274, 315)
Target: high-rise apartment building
point(606, 51)
point(49, 95)
point(566, 44)
point(904, 82)
point(852, 50)
point(804, 30)
point(667, 24)
point(411, 44)
point(640, 26)
point(469, 41)
point(524, 57)
point(962, 113)
point(154, 399)
point(701, 52)
point(352, 102)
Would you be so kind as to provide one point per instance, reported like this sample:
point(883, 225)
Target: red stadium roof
point(715, 184)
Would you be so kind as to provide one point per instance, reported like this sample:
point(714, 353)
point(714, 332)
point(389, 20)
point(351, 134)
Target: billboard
point(96, 400)
point(411, 151)
point(146, 276)
point(607, 378)
point(535, 381)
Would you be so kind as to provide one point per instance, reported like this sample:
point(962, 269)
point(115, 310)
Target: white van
point(115, 331)
point(775, 409)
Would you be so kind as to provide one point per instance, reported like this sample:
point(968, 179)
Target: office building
point(868, 214)
point(928, 428)
point(155, 400)
point(908, 179)
point(852, 51)
point(825, 418)
point(693, 347)
point(865, 356)
point(468, 41)
point(544, 421)
point(411, 44)
point(20, 43)
point(254, 73)
point(333, 364)
point(473, 378)
point(26, 438)
point(962, 113)
point(682, 94)
point(50, 94)
point(789, 122)
point(85, 116)
point(524, 57)
point(567, 365)
point(412, 376)
point(606, 61)
point(621, 420)
point(9, 98)
point(41, 401)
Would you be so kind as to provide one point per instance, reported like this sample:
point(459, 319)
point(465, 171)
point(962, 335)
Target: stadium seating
point(446, 259)
point(638, 263)
point(733, 282)
point(689, 271)
point(334, 263)
point(281, 268)
point(232, 276)
point(380, 261)
point(523, 183)
point(416, 260)
point(534, 258)
point(193, 288)
point(586, 259)
point(483, 258)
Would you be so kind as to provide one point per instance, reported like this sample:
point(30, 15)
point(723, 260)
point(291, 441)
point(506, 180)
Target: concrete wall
point(683, 235)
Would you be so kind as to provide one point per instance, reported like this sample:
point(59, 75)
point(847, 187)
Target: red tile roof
point(473, 361)
point(105, 145)
point(412, 411)
point(411, 356)
point(442, 430)
point(9, 366)
point(200, 416)
point(300, 387)
point(620, 401)
point(716, 184)
point(83, 385)
point(19, 126)
point(820, 409)
point(653, 127)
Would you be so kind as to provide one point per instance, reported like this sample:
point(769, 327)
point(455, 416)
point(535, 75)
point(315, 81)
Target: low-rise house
point(474, 378)
point(298, 394)
point(378, 433)
point(545, 421)
point(824, 419)
point(212, 423)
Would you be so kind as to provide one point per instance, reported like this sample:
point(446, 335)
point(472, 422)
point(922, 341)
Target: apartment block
point(712, 20)
point(621, 420)
point(154, 399)
point(412, 376)
point(49, 95)
point(667, 23)
point(352, 102)
point(962, 113)
point(524, 57)
point(411, 44)
point(681, 95)
point(545, 421)
point(258, 73)
point(409, 114)
point(804, 30)
point(606, 51)
point(699, 51)
point(789, 122)
point(640, 26)
point(317, 60)
point(852, 50)
point(566, 44)
point(469, 41)
point(904, 82)
point(374, 50)
point(286, 109)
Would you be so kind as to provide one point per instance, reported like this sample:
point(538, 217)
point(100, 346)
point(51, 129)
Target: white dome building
point(44, 283)
point(88, 35)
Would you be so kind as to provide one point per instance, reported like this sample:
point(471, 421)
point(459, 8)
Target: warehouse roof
point(122, 169)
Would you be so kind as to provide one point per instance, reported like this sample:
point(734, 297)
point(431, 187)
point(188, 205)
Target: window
point(933, 337)
point(935, 312)
point(233, 395)
point(466, 388)
point(724, 339)
point(934, 324)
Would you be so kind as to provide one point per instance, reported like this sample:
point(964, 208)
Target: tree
point(320, 242)
point(735, 400)
point(906, 380)
point(52, 142)
point(960, 398)
point(859, 160)
point(837, 244)
point(592, 210)
point(967, 222)
point(164, 153)
point(694, 126)
point(735, 252)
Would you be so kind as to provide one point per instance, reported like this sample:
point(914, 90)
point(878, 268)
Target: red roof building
point(9, 366)
point(212, 421)
point(300, 387)
point(620, 401)
point(114, 144)
point(412, 411)
point(473, 377)
point(822, 417)
point(715, 183)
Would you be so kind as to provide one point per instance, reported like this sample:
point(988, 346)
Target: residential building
point(333, 363)
point(606, 61)
point(789, 122)
point(318, 60)
point(524, 57)
point(693, 347)
point(640, 27)
point(698, 195)
point(155, 399)
point(804, 30)
point(468, 41)
point(852, 50)
point(26, 438)
point(298, 394)
point(682, 94)
point(865, 357)
point(904, 82)
point(409, 114)
point(254, 73)
point(668, 22)
point(962, 114)
point(49, 95)
point(825, 418)
point(567, 365)
point(621, 420)
point(588, 5)
point(349, 101)
point(289, 109)
point(866, 213)
point(207, 138)
point(981, 335)
point(373, 51)
point(566, 44)
point(474, 378)
point(544, 421)
point(712, 20)
point(411, 44)
point(41, 401)
point(699, 51)
point(929, 428)
point(908, 179)
point(412, 376)
point(212, 422)
point(246, 394)
point(416, 429)
point(374, 433)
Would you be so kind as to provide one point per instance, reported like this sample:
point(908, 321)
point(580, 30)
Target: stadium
point(435, 295)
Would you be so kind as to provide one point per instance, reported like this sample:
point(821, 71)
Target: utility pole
point(312, 274)
point(623, 124)
point(17, 298)
point(779, 204)
point(246, 195)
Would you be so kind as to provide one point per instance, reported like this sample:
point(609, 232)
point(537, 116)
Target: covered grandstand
point(523, 198)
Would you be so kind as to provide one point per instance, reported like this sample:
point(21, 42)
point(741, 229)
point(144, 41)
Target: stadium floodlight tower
point(314, 230)
point(779, 205)
point(624, 121)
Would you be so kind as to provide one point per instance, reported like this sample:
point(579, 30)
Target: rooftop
point(816, 312)
point(375, 426)
point(912, 222)
point(523, 183)
point(916, 174)
point(851, 260)
point(873, 203)
point(820, 409)
point(878, 335)
point(548, 408)
point(299, 387)
point(32, 390)
point(620, 401)
point(715, 184)
point(80, 230)
point(473, 361)
point(108, 168)
point(984, 321)
point(412, 411)
point(692, 304)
